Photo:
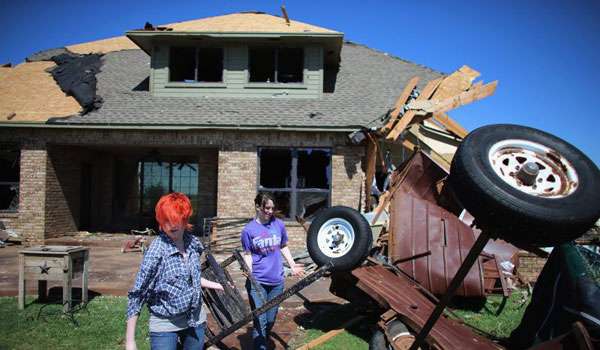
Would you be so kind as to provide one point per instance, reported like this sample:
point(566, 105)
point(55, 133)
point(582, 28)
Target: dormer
point(242, 55)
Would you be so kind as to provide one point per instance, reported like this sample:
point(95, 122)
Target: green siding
point(235, 77)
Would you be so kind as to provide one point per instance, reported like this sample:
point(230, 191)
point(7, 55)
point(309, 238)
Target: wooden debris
point(325, 337)
point(400, 102)
point(438, 97)
point(408, 116)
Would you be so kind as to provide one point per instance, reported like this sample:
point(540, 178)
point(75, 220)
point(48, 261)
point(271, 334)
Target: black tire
point(356, 251)
point(379, 341)
point(511, 213)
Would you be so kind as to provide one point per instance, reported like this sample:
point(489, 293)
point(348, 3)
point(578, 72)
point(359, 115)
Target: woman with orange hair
point(169, 282)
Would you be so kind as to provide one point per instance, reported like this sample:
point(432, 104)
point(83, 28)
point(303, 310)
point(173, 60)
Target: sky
point(544, 53)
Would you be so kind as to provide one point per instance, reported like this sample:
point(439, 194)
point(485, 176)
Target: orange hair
point(174, 208)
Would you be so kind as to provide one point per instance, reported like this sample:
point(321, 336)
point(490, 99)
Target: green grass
point(486, 318)
point(101, 326)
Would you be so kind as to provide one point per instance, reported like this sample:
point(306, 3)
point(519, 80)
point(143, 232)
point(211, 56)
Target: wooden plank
point(67, 284)
point(450, 125)
point(85, 277)
point(441, 106)
point(457, 82)
point(325, 337)
point(400, 102)
point(21, 282)
point(428, 90)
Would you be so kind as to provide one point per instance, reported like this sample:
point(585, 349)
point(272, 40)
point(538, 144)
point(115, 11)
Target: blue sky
point(546, 54)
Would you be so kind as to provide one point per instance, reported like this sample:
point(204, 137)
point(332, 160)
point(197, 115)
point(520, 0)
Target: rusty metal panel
point(420, 226)
point(413, 308)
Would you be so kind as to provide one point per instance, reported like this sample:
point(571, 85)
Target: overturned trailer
point(519, 184)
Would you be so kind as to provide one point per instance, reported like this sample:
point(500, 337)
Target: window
point(159, 178)
point(298, 178)
point(195, 64)
point(9, 177)
point(276, 65)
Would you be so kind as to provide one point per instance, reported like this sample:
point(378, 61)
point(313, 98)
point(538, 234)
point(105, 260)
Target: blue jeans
point(189, 339)
point(263, 323)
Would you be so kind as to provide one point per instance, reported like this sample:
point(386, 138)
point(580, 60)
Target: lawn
point(101, 325)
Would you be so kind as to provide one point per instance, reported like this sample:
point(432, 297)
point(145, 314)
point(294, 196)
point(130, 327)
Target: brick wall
point(32, 193)
point(227, 164)
point(62, 191)
point(530, 266)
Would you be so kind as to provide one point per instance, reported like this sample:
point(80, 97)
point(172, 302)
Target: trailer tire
point(341, 236)
point(526, 186)
point(399, 332)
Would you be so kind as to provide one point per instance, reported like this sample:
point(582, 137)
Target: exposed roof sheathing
point(247, 23)
point(233, 23)
point(29, 93)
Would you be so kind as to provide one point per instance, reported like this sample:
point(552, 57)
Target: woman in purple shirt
point(264, 240)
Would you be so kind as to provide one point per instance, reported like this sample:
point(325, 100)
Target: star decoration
point(45, 268)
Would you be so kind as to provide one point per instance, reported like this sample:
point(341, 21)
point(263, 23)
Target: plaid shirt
point(166, 283)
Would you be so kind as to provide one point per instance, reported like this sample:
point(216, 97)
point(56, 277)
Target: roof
point(367, 85)
point(249, 22)
point(29, 94)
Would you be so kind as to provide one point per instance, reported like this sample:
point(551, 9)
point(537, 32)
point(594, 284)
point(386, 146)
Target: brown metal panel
point(414, 308)
point(419, 226)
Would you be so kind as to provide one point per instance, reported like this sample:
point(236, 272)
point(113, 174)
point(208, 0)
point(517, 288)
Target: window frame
point(196, 62)
point(276, 67)
point(293, 189)
point(141, 177)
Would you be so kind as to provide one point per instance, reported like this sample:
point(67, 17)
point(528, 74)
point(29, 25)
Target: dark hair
point(262, 198)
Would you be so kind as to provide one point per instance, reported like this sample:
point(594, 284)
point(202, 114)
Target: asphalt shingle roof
point(367, 85)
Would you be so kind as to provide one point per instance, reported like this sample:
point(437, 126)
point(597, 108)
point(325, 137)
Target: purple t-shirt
point(264, 242)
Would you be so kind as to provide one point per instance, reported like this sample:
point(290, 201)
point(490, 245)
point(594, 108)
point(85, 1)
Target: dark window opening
point(210, 64)
point(262, 65)
point(276, 65)
point(298, 178)
point(314, 168)
point(9, 177)
point(191, 64)
point(290, 65)
point(159, 178)
point(182, 64)
point(276, 167)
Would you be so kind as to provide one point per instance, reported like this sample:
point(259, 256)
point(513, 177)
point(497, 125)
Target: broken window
point(159, 178)
point(195, 64)
point(276, 65)
point(298, 178)
point(9, 177)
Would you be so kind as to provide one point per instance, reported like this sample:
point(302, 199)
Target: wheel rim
point(555, 176)
point(336, 237)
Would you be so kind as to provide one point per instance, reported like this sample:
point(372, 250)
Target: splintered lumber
point(428, 90)
point(424, 107)
point(325, 337)
point(400, 102)
point(456, 83)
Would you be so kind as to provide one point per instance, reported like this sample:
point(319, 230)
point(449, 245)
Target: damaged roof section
point(29, 94)
point(76, 76)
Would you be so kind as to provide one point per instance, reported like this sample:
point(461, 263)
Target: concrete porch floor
point(113, 273)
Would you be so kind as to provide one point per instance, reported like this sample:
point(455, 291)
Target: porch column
point(32, 192)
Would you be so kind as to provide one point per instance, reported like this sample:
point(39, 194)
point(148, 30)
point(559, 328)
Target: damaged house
point(218, 108)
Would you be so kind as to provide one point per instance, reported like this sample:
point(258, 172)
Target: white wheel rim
point(335, 237)
point(556, 178)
